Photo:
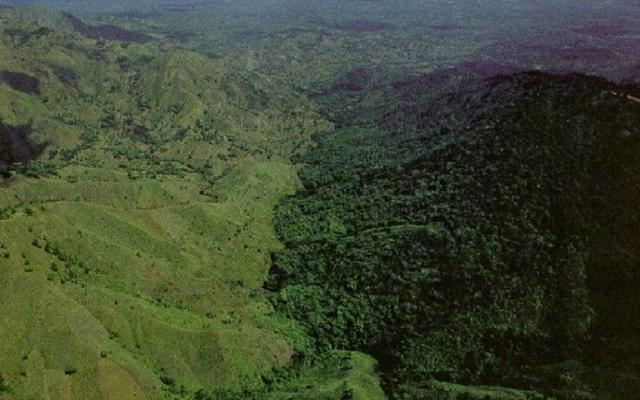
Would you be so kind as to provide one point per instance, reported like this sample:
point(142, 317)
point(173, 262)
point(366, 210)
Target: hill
point(135, 227)
point(474, 235)
point(468, 238)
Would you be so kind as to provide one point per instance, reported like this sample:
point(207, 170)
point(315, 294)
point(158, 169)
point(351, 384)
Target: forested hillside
point(489, 237)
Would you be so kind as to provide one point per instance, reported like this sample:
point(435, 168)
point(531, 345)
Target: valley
point(336, 200)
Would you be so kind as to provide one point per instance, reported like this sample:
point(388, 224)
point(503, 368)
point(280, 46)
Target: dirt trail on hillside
point(628, 96)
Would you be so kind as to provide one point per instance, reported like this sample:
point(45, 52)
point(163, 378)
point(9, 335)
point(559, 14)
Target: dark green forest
point(491, 238)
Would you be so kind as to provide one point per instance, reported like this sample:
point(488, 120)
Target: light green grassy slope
point(136, 266)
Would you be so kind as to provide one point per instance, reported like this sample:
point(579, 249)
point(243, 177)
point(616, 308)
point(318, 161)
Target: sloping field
point(132, 253)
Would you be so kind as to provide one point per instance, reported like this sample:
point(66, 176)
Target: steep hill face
point(135, 241)
point(487, 237)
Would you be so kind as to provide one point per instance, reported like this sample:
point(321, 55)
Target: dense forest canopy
point(472, 244)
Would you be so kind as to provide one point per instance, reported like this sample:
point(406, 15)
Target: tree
point(4, 387)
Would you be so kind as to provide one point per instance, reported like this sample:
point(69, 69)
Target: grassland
point(134, 250)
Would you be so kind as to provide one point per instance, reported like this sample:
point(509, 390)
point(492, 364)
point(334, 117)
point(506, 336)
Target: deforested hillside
point(137, 186)
point(487, 237)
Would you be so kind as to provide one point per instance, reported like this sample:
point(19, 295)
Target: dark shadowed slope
point(20, 81)
point(108, 32)
point(16, 145)
point(365, 26)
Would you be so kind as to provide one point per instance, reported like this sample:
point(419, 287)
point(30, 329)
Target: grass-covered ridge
point(134, 248)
